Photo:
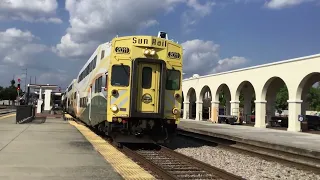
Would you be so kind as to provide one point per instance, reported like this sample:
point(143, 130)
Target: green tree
point(313, 98)
point(241, 99)
point(282, 98)
point(1, 92)
point(222, 99)
point(10, 93)
point(253, 98)
point(12, 82)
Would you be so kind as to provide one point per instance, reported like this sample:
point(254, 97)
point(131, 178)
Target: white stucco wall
point(294, 73)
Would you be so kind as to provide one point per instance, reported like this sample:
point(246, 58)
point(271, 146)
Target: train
point(130, 89)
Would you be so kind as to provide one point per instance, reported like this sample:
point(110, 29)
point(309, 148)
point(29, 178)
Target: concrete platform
point(294, 142)
point(51, 150)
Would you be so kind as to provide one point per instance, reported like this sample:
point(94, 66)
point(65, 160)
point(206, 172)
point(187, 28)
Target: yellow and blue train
point(130, 89)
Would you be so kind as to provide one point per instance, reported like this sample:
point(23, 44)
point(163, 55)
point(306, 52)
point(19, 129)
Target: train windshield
point(120, 75)
point(173, 80)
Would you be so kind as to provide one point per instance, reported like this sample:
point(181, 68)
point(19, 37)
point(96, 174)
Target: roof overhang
point(43, 86)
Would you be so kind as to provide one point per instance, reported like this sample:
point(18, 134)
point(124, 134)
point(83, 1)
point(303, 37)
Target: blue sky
point(53, 39)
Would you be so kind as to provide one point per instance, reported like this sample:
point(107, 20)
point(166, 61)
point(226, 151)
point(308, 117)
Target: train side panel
point(91, 87)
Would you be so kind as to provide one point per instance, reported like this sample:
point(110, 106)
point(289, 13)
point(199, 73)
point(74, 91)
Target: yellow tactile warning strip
point(6, 116)
point(121, 163)
point(68, 116)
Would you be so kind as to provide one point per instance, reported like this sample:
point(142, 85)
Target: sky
point(53, 39)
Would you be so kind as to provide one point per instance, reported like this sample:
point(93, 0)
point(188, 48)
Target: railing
point(25, 113)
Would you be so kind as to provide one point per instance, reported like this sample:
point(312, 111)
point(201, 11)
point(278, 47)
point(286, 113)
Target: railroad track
point(4, 112)
point(294, 160)
point(168, 164)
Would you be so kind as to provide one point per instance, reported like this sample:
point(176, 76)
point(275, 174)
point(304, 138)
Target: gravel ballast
point(248, 167)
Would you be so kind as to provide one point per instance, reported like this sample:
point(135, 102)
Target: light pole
point(25, 79)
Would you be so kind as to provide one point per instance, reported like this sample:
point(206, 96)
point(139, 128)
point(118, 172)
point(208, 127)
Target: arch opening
point(309, 92)
point(191, 98)
point(224, 96)
point(205, 98)
point(275, 92)
point(246, 95)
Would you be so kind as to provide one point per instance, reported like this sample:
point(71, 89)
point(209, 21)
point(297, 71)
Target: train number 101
point(122, 50)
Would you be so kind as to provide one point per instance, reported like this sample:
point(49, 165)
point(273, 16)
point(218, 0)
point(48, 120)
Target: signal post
point(18, 90)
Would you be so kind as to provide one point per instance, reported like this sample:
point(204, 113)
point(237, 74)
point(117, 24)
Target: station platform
point(293, 142)
point(57, 149)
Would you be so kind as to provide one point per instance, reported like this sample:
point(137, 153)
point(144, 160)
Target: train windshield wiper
point(124, 69)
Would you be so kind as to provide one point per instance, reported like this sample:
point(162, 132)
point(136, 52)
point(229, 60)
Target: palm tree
point(13, 82)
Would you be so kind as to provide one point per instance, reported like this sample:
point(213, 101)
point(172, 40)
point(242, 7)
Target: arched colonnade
point(259, 82)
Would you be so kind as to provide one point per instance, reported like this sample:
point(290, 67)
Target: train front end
point(144, 89)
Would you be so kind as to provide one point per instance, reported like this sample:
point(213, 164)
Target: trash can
point(304, 126)
point(23, 112)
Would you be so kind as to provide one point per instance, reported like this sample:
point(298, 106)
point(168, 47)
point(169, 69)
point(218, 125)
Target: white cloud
point(18, 47)
point(197, 11)
point(202, 57)
point(60, 77)
point(277, 4)
point(229, 63)
point(94, 22)
point(29, 10)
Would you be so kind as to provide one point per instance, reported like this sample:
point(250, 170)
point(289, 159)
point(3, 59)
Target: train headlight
point(146, 51)
point(114, 108)
point(175, 111)
point(152, 52)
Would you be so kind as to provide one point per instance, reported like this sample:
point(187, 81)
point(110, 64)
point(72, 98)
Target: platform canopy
point(43, 86)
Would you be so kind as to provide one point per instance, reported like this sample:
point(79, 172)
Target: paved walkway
point(305, 141)
point(50, 151)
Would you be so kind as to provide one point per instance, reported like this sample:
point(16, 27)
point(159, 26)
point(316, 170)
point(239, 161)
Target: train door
point(148, 88)
point(89, 102)
point(78, 103)
point(74, 103)
point(67, 104)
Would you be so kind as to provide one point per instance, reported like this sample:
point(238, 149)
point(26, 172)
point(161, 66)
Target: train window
point(82, 102)
point(146, 77)
point(99, 84)
point(173, 80)
point(94, 62)
point(96, 86)
point(90, 66)
point(120, 75)
point(102, 54)
point(106, 86)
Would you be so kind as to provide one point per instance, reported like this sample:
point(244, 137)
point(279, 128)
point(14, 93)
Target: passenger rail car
point(130, 89)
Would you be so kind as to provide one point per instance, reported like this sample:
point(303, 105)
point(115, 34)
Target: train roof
point(92, 56)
